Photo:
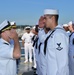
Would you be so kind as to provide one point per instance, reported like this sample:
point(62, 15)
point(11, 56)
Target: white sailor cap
point(27, 28)
point(51, 12)
point(71, 23)
point(65, 25)
point(13, 24)
point(5, 25)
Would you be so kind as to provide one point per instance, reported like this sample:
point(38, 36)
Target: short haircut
point(56, 17)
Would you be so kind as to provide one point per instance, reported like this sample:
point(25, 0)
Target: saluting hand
point(41, 22)
point(14, 35)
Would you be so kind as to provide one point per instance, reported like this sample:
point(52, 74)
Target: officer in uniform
point(57, 42)
point(27, 43)
point(71, 48)
point(8, 52)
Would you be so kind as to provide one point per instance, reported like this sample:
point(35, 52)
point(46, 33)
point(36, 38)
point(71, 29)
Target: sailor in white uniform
point(33, 48)
point(35, 45)
point(38, 44)
point(40, 38)
point(57, 45)
point(71, 48)
point(8, 52)
point(66, 27)
point(41, 53)
point(27, 43)
point(42, 34)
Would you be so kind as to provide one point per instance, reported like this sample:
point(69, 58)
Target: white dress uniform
point(27, 45)
point(57, 53)
point(7, 62)
point(34, 37)
point(42, 55)
point(71, 54)
point(36, 47)
point(40, 40)
point(42, 37)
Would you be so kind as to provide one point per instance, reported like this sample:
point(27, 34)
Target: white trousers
point(28, 49)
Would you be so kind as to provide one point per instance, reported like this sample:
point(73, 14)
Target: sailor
point(66, 27)
point(8, 52)
point(42, 34)
point(27, 43)
point(57, 43)
point(40, 28)
point(71, 48)
point(33, 46)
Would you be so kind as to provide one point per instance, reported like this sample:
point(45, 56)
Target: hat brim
point(8, 28)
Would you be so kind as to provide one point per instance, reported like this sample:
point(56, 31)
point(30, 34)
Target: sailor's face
point(28, 31)
point(48, 21)
point(70, 27)
point(66, 28)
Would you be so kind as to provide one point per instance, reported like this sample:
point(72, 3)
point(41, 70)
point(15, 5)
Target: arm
point(61, 52)
point(16, 50)
point(23, 39)
point(23, 43)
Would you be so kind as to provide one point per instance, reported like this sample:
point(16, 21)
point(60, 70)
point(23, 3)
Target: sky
point(27, 12)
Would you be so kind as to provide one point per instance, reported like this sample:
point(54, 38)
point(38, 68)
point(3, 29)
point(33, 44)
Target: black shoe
point(34, 68)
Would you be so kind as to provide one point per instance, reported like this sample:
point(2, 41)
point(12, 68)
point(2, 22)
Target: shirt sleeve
point(6, 51)
point(61, 52)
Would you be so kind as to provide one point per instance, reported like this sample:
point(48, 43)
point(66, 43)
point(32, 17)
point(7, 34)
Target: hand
point(14, 35)
point(41, 22)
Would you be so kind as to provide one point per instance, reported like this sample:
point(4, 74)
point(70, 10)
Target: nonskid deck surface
point(25, 68)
